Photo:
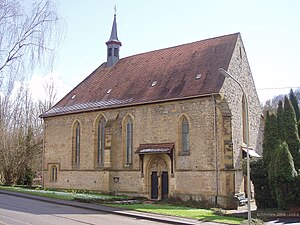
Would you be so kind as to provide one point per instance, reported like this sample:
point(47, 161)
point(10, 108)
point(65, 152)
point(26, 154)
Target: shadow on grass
point(181, 211)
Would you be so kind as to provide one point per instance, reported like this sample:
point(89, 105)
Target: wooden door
point(164, 185)
point(154, 185)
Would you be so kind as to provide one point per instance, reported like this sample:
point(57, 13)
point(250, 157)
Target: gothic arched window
point(101, 141)
point(244, 115)
point(76, 143)
point(185, 135)
point(129, 141)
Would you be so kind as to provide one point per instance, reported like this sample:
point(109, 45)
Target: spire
point(114, 34)
point(113, 44)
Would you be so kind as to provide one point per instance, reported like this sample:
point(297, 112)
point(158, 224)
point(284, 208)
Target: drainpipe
point(43, 153)
point(216, 149)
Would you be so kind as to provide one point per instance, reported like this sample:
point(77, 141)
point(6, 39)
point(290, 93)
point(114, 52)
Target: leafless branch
point(26, 41)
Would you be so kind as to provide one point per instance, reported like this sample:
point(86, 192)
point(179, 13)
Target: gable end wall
point(240, 69)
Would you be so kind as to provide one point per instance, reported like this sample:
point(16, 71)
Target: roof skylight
point(198, 76)
point(153, 83)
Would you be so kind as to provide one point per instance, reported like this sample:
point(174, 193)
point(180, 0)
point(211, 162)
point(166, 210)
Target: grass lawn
point(61, 194)
point(166, 209)
point(181, 211)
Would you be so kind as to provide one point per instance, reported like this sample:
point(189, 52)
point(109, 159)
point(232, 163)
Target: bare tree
point(27, 40)
point(50, 96)
point(271, 104)
point(20, 138)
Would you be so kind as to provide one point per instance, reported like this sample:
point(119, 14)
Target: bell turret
point(113, 45)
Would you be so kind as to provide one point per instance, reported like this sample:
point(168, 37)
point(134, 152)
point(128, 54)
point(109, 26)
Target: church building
point(160, 124)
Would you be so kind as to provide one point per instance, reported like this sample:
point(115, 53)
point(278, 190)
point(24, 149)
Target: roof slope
point(161, 75)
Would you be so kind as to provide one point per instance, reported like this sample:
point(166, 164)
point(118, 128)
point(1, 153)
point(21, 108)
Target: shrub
point(262, 191)
point(284, 176)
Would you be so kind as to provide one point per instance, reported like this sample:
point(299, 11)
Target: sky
point(270, 31)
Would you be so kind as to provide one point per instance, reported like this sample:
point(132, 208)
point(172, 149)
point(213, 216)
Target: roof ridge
point(178, 72)
point(180, 45)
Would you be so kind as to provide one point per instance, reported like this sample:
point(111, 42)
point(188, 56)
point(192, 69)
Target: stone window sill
point(76, 167)
point(128, 165)
point(99, 167)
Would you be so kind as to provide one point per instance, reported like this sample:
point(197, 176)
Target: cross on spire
point(115, 8)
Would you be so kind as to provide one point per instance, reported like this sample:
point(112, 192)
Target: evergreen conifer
point(291, 132)
point(295, 104)
point(270, 142)
point(275, 176)
point(270, 138)
point(265, 145)
point(280, 121)
point(299, 128)
point(259, 176)
point(285, 175)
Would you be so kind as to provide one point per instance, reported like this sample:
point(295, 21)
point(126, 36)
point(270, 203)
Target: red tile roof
point(161, 75)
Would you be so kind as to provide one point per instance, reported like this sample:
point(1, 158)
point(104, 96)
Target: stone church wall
point(239, 68)
point(153, 123)
point(211, 167)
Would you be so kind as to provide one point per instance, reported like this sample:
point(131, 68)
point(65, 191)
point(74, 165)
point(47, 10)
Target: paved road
point(286, 221)
point(21, 211)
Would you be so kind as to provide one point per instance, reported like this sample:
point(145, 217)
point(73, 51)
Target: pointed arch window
point(53, 173)
point(185, 135)
point(76, 144)
point(244, 114)
point(129, 141)
point(101, 141)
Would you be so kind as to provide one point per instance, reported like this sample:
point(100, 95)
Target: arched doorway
point(159, 178)
point(157, 162)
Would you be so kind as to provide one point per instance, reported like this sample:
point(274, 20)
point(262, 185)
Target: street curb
point(117, 211)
